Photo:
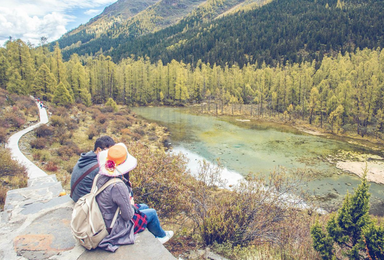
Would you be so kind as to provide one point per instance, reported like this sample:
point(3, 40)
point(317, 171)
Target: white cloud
point(30, 20)
point(92, 12)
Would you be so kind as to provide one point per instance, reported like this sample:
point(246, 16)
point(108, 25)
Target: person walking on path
point(116, 162)
point(86, 168)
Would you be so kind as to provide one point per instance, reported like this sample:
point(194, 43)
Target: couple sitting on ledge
point(111, 160)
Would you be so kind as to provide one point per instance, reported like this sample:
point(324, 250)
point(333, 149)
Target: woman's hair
point(104, 142)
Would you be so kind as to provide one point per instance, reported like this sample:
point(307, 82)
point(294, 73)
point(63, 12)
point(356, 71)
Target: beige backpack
point(87, 224)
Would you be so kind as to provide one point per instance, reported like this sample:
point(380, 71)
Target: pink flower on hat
point(110, 165)
point(116, 161)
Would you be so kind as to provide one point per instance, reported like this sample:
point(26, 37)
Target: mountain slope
point(114, 14)
point(129, 18)
point(282, 30)
point(154, 18)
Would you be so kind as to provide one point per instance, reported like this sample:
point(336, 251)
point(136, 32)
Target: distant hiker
point(86, 168)
point(116, 162)
point(41, 104)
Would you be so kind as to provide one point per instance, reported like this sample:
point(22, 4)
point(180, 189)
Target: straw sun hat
point(116, 161)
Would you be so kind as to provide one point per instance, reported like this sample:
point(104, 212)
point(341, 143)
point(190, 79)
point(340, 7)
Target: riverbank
point(244, 115)
point(358, 164)
point(375, 169)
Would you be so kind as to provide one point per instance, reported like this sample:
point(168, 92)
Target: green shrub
point(101, 118)
point(41, 155)
point(57, 121)
point(38, 143)
point(140, 131)
point(159, 180)
point(112, 104)
point(68, 150)
point(61, 111)
point(119, 123)
point(3, 196)
point(81, 107)
point(92, 132)
point(250, 213)
point(12, 174)
point(72, 124)
point(68, 165)
point(351, 231)
point(51, 166)
point(44, 131)
point(15, 118)
point(106, 109)
point(102, 128)
point(63, 135)
point(3, 135)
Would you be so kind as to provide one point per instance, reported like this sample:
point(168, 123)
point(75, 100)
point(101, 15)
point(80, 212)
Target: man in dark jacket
point(85, 163)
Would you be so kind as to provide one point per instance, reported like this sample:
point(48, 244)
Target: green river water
point(252, 147)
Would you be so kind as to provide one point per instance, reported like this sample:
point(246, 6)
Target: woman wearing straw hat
point(116, 162)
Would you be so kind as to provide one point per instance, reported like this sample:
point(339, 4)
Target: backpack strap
point(94, 189)
point(83, 176)
point(114, 220)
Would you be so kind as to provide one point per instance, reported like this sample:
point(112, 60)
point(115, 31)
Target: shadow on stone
point(146, 247)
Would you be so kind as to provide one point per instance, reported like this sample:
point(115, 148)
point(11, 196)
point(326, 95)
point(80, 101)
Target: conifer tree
point(313, 103)
point(58, 68)
point(335, 118)
point(348, 228)
point(78, 83)
point(62, 97)
point(112, 103)
point(181, 91)
point(21, 65)
point(4, 70)
point(15, 84)
point(322, 242)
point(374, 241)
point(44, 83)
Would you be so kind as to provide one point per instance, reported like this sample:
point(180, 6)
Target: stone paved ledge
point(40, 229)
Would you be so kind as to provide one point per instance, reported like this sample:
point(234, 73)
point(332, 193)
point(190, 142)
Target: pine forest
point(346, 92)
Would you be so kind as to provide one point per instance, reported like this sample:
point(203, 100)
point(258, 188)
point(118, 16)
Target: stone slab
point(38, 206)
point(28, 201)
point(146, 247)
point(46, 236)
point(42, 181)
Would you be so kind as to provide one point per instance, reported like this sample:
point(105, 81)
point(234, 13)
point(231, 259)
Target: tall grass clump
point(255, 214)
point(12, 175)
point(160, 180)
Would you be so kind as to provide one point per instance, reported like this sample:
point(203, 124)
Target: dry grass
point(60, 151)
point(16, 113)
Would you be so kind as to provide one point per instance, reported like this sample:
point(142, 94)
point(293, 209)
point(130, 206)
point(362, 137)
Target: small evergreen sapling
point(351, 230)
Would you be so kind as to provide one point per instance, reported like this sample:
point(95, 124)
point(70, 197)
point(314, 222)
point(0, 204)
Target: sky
point(29, 20)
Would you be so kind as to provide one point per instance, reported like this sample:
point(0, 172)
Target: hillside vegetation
point(112, 15)
point(17, 112)
point(280, 31)
point(344, 95)
point(284, 30)
point(185, 13)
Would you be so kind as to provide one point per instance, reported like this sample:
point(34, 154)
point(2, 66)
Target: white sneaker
point(168, 236)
